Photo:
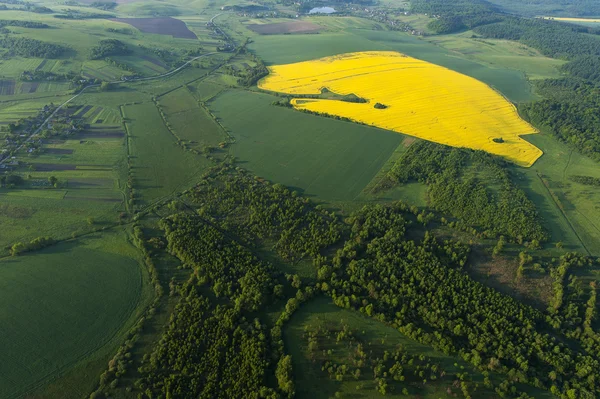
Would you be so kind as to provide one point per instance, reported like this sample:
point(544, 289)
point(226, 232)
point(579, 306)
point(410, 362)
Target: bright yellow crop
point(566, 19)
point(420, 99)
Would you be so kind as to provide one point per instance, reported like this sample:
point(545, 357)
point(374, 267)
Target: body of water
point(322, 10)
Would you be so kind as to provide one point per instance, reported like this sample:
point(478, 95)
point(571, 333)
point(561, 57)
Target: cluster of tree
point(38, 9)
point(25, 47)
point(109, 47)
point(256, 210)
point(574, 8)
point(456, 15)
point(233, 271)
point(10, 181)
point(395, 371)
point(569, 113)
point(385, 275)
point(454, 190)
point(73, 14)
point(124, 66)
point(23, 24)
point(104, 5)
point(34, 245)
point(123, 31)
point(208, 351)
point(37, 75)
point(553, 39)
point(584, 67)
point(586, 180)
point(253, 74)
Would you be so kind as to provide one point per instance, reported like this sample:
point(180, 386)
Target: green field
point(110, 284)
point(190, 122)
point(322, 157)
point(578, 223)
point(160, 167)
point(284, 49)
point(64, 306)
point(500, 54)
point(312, 382)
point(205, 90)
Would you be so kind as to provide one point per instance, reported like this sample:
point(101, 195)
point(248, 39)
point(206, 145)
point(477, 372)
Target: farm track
point(135, 80)
point(564, 215)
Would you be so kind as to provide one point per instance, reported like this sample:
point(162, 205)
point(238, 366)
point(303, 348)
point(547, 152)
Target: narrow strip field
point(189, 121)
point(160, 166)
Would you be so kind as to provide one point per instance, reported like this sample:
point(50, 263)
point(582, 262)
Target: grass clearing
point(500, 54)
point(205, 90)
point(66, 305)
point(312, 382)
point(190, 122)
point(571, 210)
point(160, 167)
point(330, 159)
point(30, 213)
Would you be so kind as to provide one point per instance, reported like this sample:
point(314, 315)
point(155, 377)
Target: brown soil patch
point(42, 64)
point(285, 28)
point(90, 183)
point(82, 111)
point(162, 26)
point(95, 113)
point(408, 141)
point(500, 273)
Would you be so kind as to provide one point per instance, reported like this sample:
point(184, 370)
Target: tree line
point(454, 189)
point(25, 47)
point(107, 48)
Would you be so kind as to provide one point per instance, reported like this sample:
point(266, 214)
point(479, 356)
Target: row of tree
point(25, 47)
point(454, 188)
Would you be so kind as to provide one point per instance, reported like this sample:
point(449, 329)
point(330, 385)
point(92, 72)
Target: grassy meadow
point(66, 308)
point(160, 167)
point(189, 121)
point(377, 337)
point(570, 209)
point(499, 54)
point(69, 304)
point(322, 157)
point(276, 49)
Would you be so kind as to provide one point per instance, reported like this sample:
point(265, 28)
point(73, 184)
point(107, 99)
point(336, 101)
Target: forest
point(554, 39)
point(457, 15)
point(571, 105)
point(25, 47)
point(459, 182)
point(379, 262)
point(109, 47)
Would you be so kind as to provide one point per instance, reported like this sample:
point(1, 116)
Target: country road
point(82, 91)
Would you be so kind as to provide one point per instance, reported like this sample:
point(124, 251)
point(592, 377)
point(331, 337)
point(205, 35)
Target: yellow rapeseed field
point(420, 99)
point(568, 19)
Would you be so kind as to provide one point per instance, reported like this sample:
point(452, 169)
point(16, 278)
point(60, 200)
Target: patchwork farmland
point(230, 200)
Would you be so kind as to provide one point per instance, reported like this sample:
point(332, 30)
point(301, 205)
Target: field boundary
point(564, 214)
